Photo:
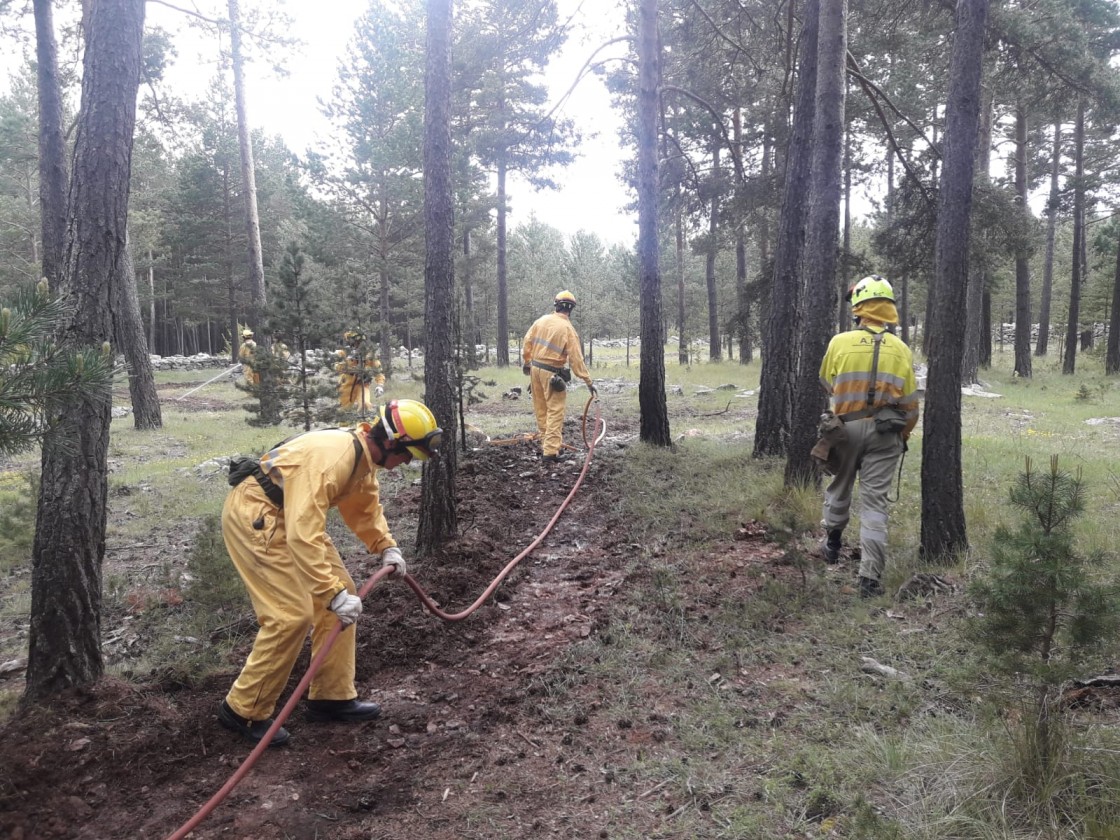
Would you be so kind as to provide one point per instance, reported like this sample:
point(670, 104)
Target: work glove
point(379, 390)
point(392, 557)
point(347, 607)
point(526, 369)
point(594, 392)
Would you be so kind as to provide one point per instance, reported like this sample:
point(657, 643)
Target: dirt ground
point(464, 747)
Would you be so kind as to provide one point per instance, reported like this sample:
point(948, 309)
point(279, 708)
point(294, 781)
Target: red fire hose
point(366, 588)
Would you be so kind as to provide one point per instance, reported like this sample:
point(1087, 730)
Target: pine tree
point(37, 374)
point(293, 312)
point(1042, 610)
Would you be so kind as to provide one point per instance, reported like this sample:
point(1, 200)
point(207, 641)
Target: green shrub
point(17, 521)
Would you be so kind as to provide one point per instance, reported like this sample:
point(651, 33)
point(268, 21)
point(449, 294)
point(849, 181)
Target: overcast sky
point(590, 198)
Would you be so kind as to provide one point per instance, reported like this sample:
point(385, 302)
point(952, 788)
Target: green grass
point(761, 723)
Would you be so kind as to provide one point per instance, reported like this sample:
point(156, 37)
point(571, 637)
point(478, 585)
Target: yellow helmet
point(872, 287)
point(354, 336)
point(246, 333)
point(565, 301)
point(411, 424)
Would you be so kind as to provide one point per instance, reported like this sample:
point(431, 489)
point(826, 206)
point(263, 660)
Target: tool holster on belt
point(833, 439)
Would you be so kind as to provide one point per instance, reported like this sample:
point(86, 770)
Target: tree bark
point(65, 645)
point(438, 518)
point(977, 275)
point(714, 346)
point(654, 413)
point(248, 173)
point(775, 395)
point(501, 355)
point(128, 329)
point(682, 315)
point(817, 307)
point(1052, 205)
point(1022, 258)
point(1112, 348)
point(1069, 362)
point(53, 175)
point(943, 531)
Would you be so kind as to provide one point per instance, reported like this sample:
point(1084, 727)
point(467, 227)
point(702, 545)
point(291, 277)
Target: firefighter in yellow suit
point(868, 373)
point(357, 370)
point(245, 355)
point(550, 354)
point(275, 528)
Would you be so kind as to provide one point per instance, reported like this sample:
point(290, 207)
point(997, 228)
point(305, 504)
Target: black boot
point(830, 549)
point(250, 730)
point(348, 711)
point(869, 588)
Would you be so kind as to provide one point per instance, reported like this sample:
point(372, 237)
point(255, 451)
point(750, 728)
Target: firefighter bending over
point(275, 528)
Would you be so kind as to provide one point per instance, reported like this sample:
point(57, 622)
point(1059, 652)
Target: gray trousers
point(873, 458)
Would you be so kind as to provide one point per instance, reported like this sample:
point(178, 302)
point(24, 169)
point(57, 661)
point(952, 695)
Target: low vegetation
point(779, 704)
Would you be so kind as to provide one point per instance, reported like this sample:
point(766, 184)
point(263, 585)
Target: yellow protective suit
point(552, 341)
point(356, 370)
point(245, 355)
point(290, 566)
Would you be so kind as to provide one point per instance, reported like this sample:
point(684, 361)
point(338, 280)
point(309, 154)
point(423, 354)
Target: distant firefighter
point(245, 354)
point(357, 369)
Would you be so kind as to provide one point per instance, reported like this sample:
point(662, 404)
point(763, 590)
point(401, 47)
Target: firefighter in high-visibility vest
point(274, 523)
point(551, 353)
point(245, 354)
point(358, 370)
point(868, 373)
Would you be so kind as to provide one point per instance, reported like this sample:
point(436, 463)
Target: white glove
point(379, 390)
point(347, 607)
point(392, 557)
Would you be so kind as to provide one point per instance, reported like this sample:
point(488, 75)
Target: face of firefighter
point(386, 456)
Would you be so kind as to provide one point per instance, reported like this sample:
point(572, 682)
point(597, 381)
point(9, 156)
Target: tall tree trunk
point(943, 531)
point(682, 315)
point(65, 637)
point(438, 519)
point(468, 301)
point(248, 173)
point(1052, 205)
point(743, 320)
point(1022, 258)
point(502, 349)
point(152, 306)
point(844, 309)
point(817, 308)
point(654, 413)
point(1069, 363)
point(978, 273)
point(775, 395)
point(53, 177)
point(128, 329)
point(1112, 348)
point(384, 313)
point(714, 346)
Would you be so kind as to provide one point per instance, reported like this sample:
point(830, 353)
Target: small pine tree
point(1043, 609)
point(38, 373)
point(271, 392)
point(293, 312)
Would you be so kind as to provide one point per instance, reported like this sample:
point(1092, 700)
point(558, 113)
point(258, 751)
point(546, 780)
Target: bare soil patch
point(464, 748)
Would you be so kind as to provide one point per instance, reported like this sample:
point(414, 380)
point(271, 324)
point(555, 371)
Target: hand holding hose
point(392, 557)
point(347, 607)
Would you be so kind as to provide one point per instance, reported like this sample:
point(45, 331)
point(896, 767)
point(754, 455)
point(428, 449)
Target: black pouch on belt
point(890, 419)
point(241, 468)
point(557, 383)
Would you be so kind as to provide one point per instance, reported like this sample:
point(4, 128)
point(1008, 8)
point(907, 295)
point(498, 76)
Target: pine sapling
point(1044, 609)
